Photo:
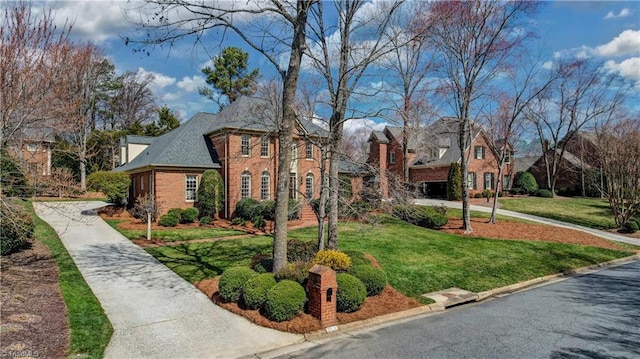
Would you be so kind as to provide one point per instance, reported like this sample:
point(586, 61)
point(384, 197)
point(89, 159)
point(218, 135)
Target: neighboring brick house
point(34, 152)
point(579, 158)
point(430, 154)
point(239, 142)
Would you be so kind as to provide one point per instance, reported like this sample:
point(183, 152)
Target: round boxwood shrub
point(284, 301)
point(301, 251)
point(232, 283)
point(526, 182)
point(176, 212)
point(631, 226)
point(114, 185)
point(543, 193)
point(256, 288)
point(189, 215)
point(351, 293)
point(205, 220)
point(334, 259)
point(374, 279)
point(169, 220)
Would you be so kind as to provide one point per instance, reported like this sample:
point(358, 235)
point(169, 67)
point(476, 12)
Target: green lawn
point(90, 328)
point(172, 234)
point(588, 212)
point(416, 260)
point(197, 261)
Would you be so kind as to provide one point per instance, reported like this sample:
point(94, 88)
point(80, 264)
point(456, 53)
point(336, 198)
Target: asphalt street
point(594, 315)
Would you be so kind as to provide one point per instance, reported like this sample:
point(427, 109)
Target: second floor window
point(264, 146)
point(308, 150)
point(479, 152)
point(245, 145)
point(392, 157)
point(264, 185)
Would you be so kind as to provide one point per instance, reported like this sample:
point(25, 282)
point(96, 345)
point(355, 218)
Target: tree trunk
point(494, 207)
point(335, 143)
point(322, 209)
point(285, 137)
point(466, 209)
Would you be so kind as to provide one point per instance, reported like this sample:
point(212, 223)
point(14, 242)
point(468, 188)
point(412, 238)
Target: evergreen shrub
point(256, 288)
point(232, 282)
point(284, 301)
point(351, 293)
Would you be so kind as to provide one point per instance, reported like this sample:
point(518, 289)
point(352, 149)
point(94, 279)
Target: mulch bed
point(33, 320)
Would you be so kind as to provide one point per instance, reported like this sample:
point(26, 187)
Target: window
point(294, 152)
point(293, 186)
point(191, 188)
point(507, 182)
point(32, 147)
point(308, 186)
point(265, 184)
point(245, 145)
point(471, 180)
point(479, 152)
point(434, 153)
point(507, 158)
point(264, 146)
point(392, 157)
point(141, 183)
point(488, 180)
point(245, 185)
point(151, 184)
point(308, 150)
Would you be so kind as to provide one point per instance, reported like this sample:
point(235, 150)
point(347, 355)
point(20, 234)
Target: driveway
point(596, 232)
point(154, 312)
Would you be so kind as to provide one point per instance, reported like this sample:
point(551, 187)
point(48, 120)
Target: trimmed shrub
point(17, 227)
point(168, 220)
point(374, 279)
point(543, 193)
point(176, 212)
point(516, 190)
point(114, 185)
point(297, 272)
point(454, 182)
point(205, 220)
point(232, 283)
point(284, 301)
point(477, 195)
point(258, 222)
point(268, 209)
point(262, 263)
point(526, 182)
point(334, 259)
point(255, 291)
point(246, 208)
point(211, 193)
point(301, 251)
point(631, 226)
point(189, 215)
point(357, 258)
point(351, 293)
point(239, 221)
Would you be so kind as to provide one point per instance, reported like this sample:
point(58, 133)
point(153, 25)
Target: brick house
point(579, 161)
point(34, 150)
point(431, 151)
point(239, 142)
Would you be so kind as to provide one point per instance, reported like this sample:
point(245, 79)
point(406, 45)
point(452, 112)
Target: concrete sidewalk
point(154, 312)
point(596, 232)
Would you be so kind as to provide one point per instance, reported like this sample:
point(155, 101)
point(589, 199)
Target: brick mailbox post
point(322, 288)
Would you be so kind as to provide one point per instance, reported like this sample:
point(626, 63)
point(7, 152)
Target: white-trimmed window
point(141, 183)
point(245, 185)
point(308, 186)
point(294, 152)
point(245, 145)
point(191, 188)
point(32, 147)
point(265, 185)
point(479, 152)
point(264, 146)
point(507, 157)
point(506, 184)
point(308, 150)
point(293, 185)
point(471, 180)
point(392, 157)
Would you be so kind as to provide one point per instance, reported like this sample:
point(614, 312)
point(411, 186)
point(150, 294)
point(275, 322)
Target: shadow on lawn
point(615, 296)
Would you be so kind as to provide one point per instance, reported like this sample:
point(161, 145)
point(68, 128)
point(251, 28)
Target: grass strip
point(89, 326)
point(174, 235)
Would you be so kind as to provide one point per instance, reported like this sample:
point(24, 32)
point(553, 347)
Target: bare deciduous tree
point(473, 41)
point(275, 29)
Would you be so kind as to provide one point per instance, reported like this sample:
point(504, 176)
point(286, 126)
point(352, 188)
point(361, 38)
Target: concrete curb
point(436, 307)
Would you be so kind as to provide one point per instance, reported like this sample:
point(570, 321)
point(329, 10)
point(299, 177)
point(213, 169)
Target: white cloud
point(629, 68)
point(627, 43)
point(623, 13)
point(96, 21)
point(547, 65)
point(362, 125)
point(191, 84)
point(160, 81)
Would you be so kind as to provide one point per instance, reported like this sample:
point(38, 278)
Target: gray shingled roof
point(186, 146)
point(379, 136)
point(189, 144)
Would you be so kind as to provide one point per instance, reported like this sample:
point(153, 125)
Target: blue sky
point(606, 30)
